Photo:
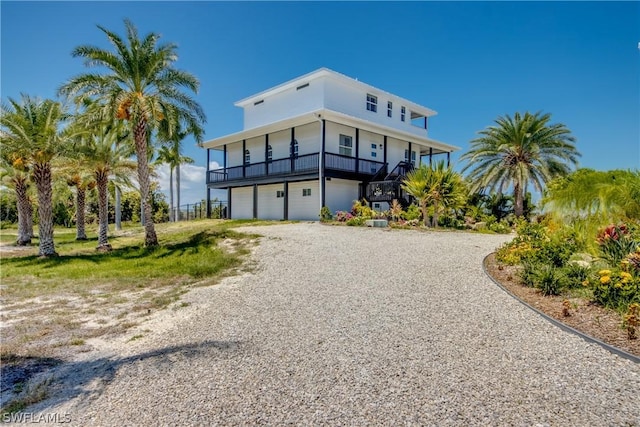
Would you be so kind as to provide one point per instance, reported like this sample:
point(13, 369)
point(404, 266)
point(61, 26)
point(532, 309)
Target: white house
point(323, 139)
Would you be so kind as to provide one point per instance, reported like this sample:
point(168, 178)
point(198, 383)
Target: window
point(306, 192)
point(374, 146)
point(374, 154)
point(413, 158)
point(279, 194)
point(372, 103)
point(302, 86)
point(247, 157)
point(346, 145)
point(389, 108)
point(406, 155)
point(376, 206)
point(258, 102)
point(269, 153)
point(403, 113)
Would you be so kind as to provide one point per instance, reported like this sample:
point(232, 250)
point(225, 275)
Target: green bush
point(325, 214)
point(616, 289)
point(576, 273)
point(356, 221)
point(549, 280)
point(412, 212)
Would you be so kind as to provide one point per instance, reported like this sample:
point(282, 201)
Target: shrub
point(343, 216)
point(615, 242)
point(616, 289)
point(576, 273)
point(356, 221)
point(529, 273)
point(361, 209)
point(549, 280)
point(325, 214)
point(412, 212)
point(501, 227)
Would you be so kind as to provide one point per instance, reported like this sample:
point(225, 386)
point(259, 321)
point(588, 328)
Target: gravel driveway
point(356, 326)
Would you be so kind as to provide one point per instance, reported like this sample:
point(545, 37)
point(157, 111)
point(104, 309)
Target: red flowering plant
point(615, 243)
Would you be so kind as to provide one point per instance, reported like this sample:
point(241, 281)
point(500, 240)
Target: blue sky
point(470, 61)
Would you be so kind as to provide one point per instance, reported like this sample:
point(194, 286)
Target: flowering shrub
point(343, 216)
point(615, 242)
point(616, 289)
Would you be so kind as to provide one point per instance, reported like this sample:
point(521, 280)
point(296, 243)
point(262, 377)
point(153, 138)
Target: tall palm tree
point(32, 130)
point(14, 172)
point(518, 151)
point(142, 88)
point(104, 154)
point(81, 181)
point(170, 153)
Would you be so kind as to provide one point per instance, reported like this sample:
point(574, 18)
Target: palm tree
point(415, 184)
point(169, 153)
point(104, 154)
point(446, 190)
point(31, 130)
point(14, 172)
point(82, 182)
point(518, 151)
point(143, 89)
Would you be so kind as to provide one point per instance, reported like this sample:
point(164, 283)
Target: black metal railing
point(384, 191)
point(307, 163)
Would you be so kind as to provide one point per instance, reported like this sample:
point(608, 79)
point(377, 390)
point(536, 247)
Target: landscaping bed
point(585, 316)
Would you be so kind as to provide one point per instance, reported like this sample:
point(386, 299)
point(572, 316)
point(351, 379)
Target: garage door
point(340, 194)
point(271, 201)
point(242, 203)
point(304, 200)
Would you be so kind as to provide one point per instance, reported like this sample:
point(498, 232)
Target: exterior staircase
point(390, 187)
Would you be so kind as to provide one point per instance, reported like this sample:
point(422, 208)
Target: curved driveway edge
point(356, 326)
point(613, 349)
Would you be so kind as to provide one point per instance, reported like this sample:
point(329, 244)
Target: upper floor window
point(403, 113)
point(406, 155)
point(346, 145)
point(389, 109)
point(413, 158)
point(247, 157)
point(269, 153)
point(372, 103)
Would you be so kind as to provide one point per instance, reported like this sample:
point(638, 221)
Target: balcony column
point(357, 150)
point(321, 163)
point(229, 203)
point(244, 150)
point(291, 152)
point(430, 156)
point(266, 153)
point(384, 153)
point(409, 153)
point(448, 159)
point(208, 203)
point(224, 161)
point(255, 201)
point(286, 200)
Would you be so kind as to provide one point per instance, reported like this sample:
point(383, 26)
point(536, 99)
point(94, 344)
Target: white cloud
point(192, 183)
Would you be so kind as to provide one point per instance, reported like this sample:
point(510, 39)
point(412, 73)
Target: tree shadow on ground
point(87, 379)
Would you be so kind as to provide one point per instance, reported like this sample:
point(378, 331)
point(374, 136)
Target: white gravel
point(355, 326)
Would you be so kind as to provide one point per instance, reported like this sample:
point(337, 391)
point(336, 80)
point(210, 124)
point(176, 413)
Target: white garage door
point(340, 194)
point(242, 203)
point(271, 201)
point(304, 200)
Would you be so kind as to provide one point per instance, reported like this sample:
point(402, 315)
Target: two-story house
point(319, 140)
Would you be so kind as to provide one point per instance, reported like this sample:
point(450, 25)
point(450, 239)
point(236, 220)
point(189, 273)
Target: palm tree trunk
point(519, 198)
point(42, 178)
point(140, 136)
point(118, 210)
point(178, 189)
point(172, 212)
point(423, 207)
point(80, 207)
point(25, 212)
point(434, 222)
point(102, 179)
